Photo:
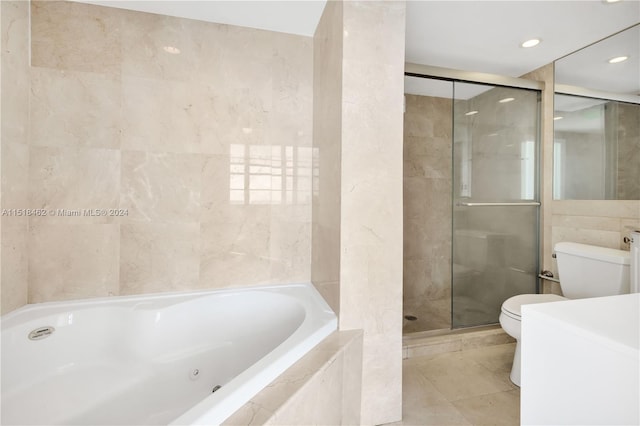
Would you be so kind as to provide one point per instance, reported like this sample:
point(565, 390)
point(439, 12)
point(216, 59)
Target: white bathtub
point(155, 359)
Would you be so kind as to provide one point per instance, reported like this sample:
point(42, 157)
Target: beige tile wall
point(14, 152)
point(208, 151)
point(359, 63)
point(371, 198)
point(427, 212)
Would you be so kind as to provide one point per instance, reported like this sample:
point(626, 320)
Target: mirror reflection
point(596, 149)
point(597, 121)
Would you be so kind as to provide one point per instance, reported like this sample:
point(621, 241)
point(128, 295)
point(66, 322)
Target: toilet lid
point(512, 306)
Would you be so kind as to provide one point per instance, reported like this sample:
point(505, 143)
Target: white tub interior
point(155, 359)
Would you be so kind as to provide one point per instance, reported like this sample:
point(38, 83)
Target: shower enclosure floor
point(430, 315)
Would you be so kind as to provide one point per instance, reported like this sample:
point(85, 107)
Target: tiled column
point(371, 198)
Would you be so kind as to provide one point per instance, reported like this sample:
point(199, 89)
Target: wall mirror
point(597, 121)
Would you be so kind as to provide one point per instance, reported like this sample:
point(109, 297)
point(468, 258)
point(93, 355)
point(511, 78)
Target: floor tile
point(458, 377)
point(501, 408)
point(498, 358)
point(469, 387)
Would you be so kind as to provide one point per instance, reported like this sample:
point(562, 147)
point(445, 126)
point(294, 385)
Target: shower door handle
point(473, 204)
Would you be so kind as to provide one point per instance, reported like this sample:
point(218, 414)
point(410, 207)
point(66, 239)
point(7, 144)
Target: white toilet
point(585, 271)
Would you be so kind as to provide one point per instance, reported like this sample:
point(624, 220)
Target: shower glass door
point(495, 199)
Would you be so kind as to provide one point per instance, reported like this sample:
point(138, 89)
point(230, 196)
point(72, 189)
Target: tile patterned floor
point(469, 387)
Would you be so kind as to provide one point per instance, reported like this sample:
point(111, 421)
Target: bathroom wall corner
point(14, 152)
point(327, 128)
point(545, 74)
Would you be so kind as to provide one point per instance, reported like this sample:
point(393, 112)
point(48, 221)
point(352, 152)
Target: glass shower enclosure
point(495, 199)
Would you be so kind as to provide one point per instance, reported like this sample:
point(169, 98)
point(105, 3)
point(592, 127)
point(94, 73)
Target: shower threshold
point(442, 341)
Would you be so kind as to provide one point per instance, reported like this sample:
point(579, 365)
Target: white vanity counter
point(581, 362)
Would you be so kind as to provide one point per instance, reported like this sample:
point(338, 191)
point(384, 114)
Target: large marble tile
point(162, 187)
point(73, 180)
point(595, 237)
point(162, 47)
point(15, 267)
point(166, 116)
point(448, 371)
point(236, 251)
point(76, 36)
point(502, 408)
point(72, 261)
point(15, 71)
point(75, 109)
point(15, 176)
point(495, 358)
point(606, 208)
point(157, 257)
point(290, 251)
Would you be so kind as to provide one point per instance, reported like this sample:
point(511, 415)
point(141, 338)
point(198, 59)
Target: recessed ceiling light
point(618, 59)
point(171, 49)
point(471, 113)
point(505, 100)
point(559, 117)
point(611, 1)
point(531, 43)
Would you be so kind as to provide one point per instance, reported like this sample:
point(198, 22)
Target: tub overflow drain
point(41, 333)
point(215, 388)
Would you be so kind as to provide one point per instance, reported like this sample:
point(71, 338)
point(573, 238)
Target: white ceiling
point(286, 16)
point(477, 35)
point(485, 36)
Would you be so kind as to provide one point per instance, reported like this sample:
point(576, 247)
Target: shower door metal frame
point(428, 71)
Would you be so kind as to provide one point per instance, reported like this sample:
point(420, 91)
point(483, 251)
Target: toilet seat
point(512, 306)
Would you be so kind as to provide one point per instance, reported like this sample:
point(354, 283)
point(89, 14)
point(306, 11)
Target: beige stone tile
point(497, 358)
point(330, 291)
point(165, 116)
point(72, 261)
point(162, 47)
point(457, 377)
point(15, 176)
point(312, 391)
point(222, 185)
point(236, 250)
point(249, 414)
point(161, 186)
point(290, 251)
point(434, 348)
point(439, 414)
point(75, 36)
point(14, 271)
point(482, 339)
point(321, 403)
point(502, 408)
point(416, 389)
point(371, 247)
point(157, 257)
point(15, 71)
point(73, 179)
point(604, 208)
point(75, 109)
point(595, 237)
point(352, 379)
point(586, 222)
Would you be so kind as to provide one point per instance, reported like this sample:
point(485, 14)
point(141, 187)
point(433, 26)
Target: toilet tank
point(592, 271)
